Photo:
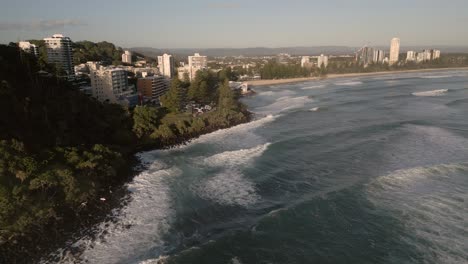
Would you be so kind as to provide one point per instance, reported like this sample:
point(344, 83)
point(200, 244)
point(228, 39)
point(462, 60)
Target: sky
point(238, 24)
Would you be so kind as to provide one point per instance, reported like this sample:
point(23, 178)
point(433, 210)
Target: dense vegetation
point(60, 150)
point(274, 70)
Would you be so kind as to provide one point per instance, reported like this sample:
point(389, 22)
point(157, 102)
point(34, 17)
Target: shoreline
point(260, 83)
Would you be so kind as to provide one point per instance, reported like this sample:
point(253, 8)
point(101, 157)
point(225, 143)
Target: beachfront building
point(59, 52)
point(26, 46)
point(166, 65)
point(410, 56)
point(127, 57)
point(322, 60)
point(378, 56)
point(196, 63)
point(394, 51)
point(435, 54)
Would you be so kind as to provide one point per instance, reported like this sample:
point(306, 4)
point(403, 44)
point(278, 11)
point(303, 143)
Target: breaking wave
point(431, 93)
point(284, 103)
point(313, 87)
point(235, 157)
point(350, 83)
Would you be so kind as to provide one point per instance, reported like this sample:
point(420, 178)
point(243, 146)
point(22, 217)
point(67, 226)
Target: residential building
point(305, 61)
point(378, 56)
point(410, 56)
point(196, 63)
point(127, 57)
point(435, 54)
point(420, 57)
point(427, 55)
point(59, 52)
point(26, 46)
point(322, 60)
point(394, 51)
point(110, 85)
point(153, 87)
point(366, 55)
point(166, 65)
point(183, 72)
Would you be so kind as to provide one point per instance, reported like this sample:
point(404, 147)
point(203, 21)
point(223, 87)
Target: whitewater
point(353, 170)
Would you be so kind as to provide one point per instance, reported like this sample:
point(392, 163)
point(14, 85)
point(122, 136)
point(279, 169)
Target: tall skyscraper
point(166, 65)
point(26, 46)
point(366, 55)
point(196, 63)
point(435, 54)
point(379, 56)
point(394, 50)
point(127, 57)
point(59, 52)
point(322, 60)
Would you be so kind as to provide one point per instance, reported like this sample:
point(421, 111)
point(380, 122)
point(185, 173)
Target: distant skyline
point(239, 24)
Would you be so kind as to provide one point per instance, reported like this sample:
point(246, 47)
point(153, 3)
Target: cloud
point(224, 5)
point(41, 25)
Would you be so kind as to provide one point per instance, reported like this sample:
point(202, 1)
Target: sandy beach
point(259, 83)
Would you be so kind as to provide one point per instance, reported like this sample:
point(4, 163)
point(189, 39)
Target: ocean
point(350, 170)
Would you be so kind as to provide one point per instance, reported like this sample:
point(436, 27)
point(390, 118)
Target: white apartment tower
point(394, 50)
point(26, 46)
point(196, 63)
point(322, 60)
point(435, 54)
point(109, 84)
point(378, 56)
point(305, 61)
point(166, 65)
point(127, 57)
point(59, 52)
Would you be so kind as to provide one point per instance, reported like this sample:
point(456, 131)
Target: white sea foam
point(229, 187)
point(436, 76)
point(431, 93)
point(284, 103)
point(350, 83)
point(276, 93)
point(140, 225)
point(431, 202)
point(235, 157)
point(315, 109)
point(313, 87)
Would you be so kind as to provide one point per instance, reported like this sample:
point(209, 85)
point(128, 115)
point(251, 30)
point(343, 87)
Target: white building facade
point(127, 57)
point(394, 51)
point(26, 46)
point(322, 60)
point(110, 85)
point(196, 63)
point(410, 56)
point(166, 65)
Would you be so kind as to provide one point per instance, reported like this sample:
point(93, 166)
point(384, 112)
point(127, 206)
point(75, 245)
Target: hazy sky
point(252, 23)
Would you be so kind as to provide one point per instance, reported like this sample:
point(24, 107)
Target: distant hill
point(264, 51)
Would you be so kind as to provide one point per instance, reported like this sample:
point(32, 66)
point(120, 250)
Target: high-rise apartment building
point(305, 61)
point(366, 55)
point(196, 63)
point(394, 51)
point(411, 56)
point(59, 52)
point(109, 84)
point(153, 87)
point(166, 65)
point(127, 57)
point(435, 54)
point(378, 56)
point(26, 46)
point(322, 60)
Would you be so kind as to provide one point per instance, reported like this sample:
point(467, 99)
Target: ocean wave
point(276, 93)
point(436, 76)
point(350, 83)
point(140, 225)
point(313, 87)
point(283, 104)
point(235, 157)
point(431, 93)
point(229, 187)
point(315, 109)
point(431, 203)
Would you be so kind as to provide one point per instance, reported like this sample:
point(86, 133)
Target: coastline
point(116, 198)
point(260, 83)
